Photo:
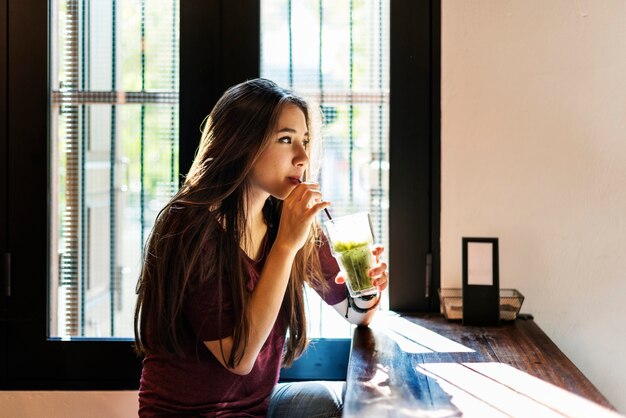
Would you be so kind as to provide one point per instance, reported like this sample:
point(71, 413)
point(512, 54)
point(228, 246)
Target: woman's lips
point(294, 180)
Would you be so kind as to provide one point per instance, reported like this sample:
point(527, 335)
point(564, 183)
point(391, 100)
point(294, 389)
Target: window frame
point(220, 46)
point(415, 130)
point(4, 175)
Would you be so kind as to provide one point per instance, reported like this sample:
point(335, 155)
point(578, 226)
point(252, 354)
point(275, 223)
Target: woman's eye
point(306, 144)
point(285, 140)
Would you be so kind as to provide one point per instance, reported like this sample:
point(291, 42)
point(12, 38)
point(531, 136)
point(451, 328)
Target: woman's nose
point(301, 158)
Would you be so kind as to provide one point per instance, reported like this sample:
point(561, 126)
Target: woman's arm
point(267, 297)
point(355, 317)
point(263, 307)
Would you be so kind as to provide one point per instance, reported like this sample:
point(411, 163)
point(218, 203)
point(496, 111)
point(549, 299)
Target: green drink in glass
point(351, 238)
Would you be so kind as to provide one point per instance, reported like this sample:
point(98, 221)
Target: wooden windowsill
point(409, 366)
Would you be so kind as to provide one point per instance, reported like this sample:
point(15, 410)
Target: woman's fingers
point(299, 211)
point(303, 197)
point(378, 270)
point(379, 273)
point(318, 207)
point(377, 250)
point(301, 189)
point(311, 197)
point(383, 281)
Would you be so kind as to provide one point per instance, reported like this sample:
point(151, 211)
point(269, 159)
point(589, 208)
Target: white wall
point(534, 153)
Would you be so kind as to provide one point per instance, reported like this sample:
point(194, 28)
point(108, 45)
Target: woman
point(225, 265)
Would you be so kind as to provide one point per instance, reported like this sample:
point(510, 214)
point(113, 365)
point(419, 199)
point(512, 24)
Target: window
point(224, 52)
point(113, 155)
point(337, 54)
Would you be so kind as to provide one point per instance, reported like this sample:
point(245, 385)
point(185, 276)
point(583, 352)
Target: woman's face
point(281, 165)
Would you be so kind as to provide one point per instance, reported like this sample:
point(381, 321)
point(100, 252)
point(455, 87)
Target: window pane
point(114, 154)
point(337, 53)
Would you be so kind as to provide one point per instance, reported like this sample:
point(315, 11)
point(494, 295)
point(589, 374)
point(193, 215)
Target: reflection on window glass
point(113, 154)
point(337, 53)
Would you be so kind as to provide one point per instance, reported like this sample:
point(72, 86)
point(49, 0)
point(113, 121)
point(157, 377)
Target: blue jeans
point(307, 400)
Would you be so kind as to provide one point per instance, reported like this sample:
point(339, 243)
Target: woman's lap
point(314, 399)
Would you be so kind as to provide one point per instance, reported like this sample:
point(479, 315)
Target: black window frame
point(219, 47)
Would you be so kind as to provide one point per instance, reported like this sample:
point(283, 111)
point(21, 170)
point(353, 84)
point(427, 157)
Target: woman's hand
point(299, 210)
point(380, 279)
point(378, 273)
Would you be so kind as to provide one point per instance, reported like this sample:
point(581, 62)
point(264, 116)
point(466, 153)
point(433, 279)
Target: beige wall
point(534, 152)
point(69, 404)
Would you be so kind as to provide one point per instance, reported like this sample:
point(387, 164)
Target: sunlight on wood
point(468, 406)
point(415, 338)
point(406, 344)
point(491, 392)
point(543, 392)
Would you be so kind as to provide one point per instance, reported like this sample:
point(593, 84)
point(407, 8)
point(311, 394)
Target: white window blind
point(337, 53)
point(114, 154)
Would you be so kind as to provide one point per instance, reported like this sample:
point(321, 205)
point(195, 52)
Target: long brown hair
point(208, 213)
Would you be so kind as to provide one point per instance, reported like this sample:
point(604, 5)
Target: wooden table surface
point(426, 366)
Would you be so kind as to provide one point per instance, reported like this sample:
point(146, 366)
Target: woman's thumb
point(340, 279)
